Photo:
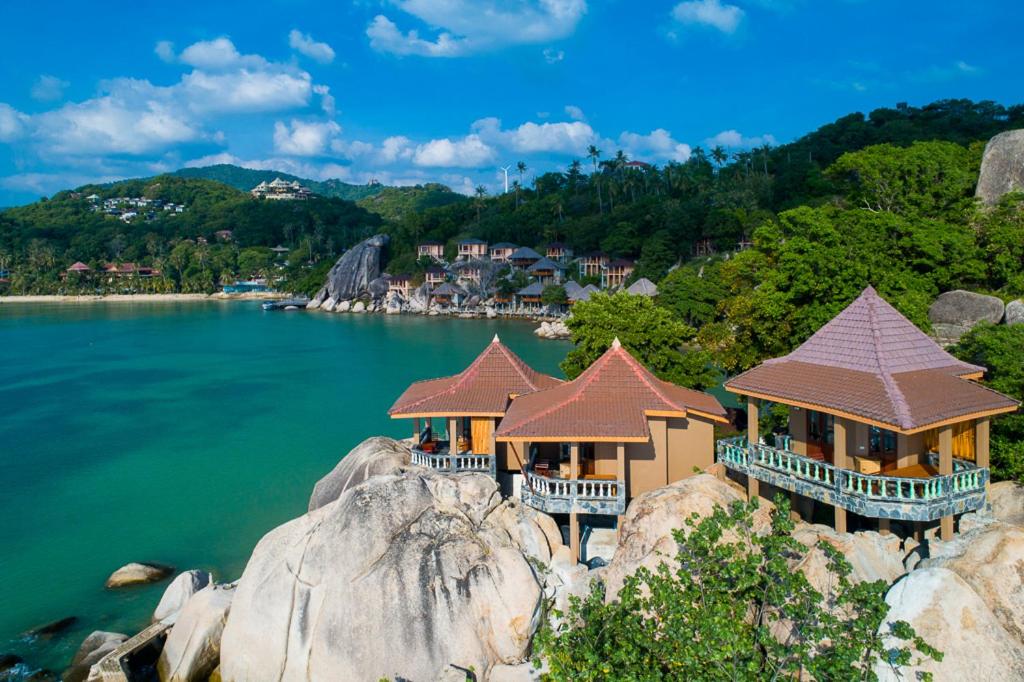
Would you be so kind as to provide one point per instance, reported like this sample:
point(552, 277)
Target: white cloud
point(299, 138)
point(165, 51)
point(658, 145)
point(303, 43)
point(553, 56)
point(48, 88)
point(571, 138)
point(12, 123)
point(246, 90)
point(466, 26)
point(725, 18)
point(219, 53)
point(574, 112)
point(469, 152)
point(733, 138)
point(326, 99)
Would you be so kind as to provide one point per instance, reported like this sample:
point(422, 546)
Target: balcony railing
point(872, 495)
point(584, 496)
point(453, 463)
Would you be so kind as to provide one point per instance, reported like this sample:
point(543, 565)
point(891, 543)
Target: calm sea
point(181, 433)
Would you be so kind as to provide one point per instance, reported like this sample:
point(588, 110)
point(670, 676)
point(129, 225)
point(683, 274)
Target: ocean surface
point(180, 433)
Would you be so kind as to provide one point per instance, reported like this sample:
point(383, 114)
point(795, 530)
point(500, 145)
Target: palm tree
point(720, 156)
point(765, 148)
point(516, 185)
point(594, 154)
point(481, 192)
point(520, 168)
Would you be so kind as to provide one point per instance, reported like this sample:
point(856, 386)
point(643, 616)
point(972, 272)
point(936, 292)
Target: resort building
point(130, 270)
point(523, 257)
point(471, 272)
point(643, 287)
point(448, 295)
point(401, 285)
point(575, 293)
point(430, 249)
point(559, 252)
point(592, 264)
point(588, 446)
point(884, 425)
point(471, 249)
point(528, 299)
point(501, 251)
point(435, 276)
point(79, 267)
point(546, 271)
point(280, 190)
point(704, 247)
point(468, 407)
point(616, 273)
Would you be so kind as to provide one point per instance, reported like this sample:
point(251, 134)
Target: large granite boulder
point(955, 313)
point(419, 299)
point(1002, 167)
point(192, 649)
point(137, 573)
point(948, 614)
point(93, 649)
point(991, 560)
point(1015, 312)
point(354, 272)
point(375, 456)
point(1007, 500)
point(178, 593)
point(645, 536)
point(872, 556)
point(403, 576)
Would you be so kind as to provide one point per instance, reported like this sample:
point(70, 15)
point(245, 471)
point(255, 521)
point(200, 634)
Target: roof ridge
point(892, 390)
point(515, 361)
point(645, 375)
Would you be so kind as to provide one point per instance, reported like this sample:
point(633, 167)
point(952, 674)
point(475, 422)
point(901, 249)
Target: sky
point(412, 91)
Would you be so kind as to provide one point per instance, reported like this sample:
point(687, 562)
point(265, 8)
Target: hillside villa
point(430, 249)
point(400, 285)
point(616, 272)
point(592, 264)
point(559, 252)
point(546, 271)
point(523, 257)
point(448, 294)
point(529, 297)
point(471, 249)
point(435, 275)
point(280, 190)
point(884, 425)
point(501, 251)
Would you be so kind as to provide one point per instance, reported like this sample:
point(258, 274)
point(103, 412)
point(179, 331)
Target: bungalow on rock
point(523, 257)
point(401, 285)
point(430, 249)
point(435, 275)
point(559, 252)
point(529, 297)
point(592, 264)
point(471, 249)
point(616, 273)
point(588, 446)
point(469, 405)
point(883, 424)
point(447, 294)
point(501, 251)
point(546, 271)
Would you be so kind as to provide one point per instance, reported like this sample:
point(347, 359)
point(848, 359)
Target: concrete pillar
point(883, 526)
point(794, 512)
point(416, 430)
point(753, 437)
point(981, 444)
point(453, 434)
point(620, 457)
point(840, 432)
point(574, 536)
point(945, 469)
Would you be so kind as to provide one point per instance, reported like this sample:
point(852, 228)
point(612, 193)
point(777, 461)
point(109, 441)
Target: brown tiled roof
point(873, 363)
point(610, 400)
point(483, 388)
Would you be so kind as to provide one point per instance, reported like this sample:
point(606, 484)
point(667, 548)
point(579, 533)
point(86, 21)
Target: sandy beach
point(143, 298)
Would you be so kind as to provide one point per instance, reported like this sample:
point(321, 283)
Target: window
point(881, 441)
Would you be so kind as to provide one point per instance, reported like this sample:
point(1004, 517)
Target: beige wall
point(606, 462)
point(691, 443)
point(798, 430)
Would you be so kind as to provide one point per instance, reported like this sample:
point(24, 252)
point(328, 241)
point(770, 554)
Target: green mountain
point(395, 203)
point(246, 178)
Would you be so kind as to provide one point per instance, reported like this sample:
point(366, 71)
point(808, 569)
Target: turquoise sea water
point(181, 433)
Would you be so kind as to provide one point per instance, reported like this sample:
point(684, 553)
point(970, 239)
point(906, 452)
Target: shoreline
point(141, 298)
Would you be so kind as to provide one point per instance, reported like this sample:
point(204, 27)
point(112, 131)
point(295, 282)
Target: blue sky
point(409, 91)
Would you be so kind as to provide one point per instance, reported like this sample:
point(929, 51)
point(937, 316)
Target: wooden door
point(820, 436)
point(481, 430)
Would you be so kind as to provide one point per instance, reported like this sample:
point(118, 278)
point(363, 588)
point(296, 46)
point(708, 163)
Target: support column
point(753, 437)
point(574, 522)
point(416, 430)
point(945, 469)
point(453, 435)
point(981, 441)
point(620, 456)
point(839, 433)
point(883, 526)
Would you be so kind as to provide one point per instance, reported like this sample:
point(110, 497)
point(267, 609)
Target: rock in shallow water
point(55, 628)
point(137, 573)
point(402, 576)
point(93, 648)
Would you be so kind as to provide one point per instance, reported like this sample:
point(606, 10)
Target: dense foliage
point(245, 179)
point(732, 608)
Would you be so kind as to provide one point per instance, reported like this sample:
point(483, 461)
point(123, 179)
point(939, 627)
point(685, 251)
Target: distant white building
point(279, 189)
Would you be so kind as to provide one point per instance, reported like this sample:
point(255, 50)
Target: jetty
point(284, 304)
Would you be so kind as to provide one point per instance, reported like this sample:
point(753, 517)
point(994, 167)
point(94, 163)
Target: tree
point(554, 294)
point(718, 613)
point(593, 153)
point(480, 194)
point(521, 169)
point(651, 334)
point(693, 293)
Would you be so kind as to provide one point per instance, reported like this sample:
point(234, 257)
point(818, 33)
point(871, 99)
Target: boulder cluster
point(955, 313)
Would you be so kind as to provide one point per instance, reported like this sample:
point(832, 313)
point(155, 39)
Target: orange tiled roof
point(611, 400)
point(483, 388)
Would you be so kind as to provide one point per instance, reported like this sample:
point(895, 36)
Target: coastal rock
point(394, 306)
point(944, 610)
point(645, 536)
point(491, 313)
point(358, 307)
point(553, 330)
point(991, 561)
point(52, 629)
point(354, 271)
point(378, 288)
point(178, 593)
point(419, 299)
point(328, 306)
point(93, 649)
point(402, 577)
point(1015, 312)
point(955, 313)
point(9, 661)
point(1007, 500)
point(343, 306)
point(872, 556)
point(192, 650)
point(137, 573)
point(1002, 167)
point(375, 456)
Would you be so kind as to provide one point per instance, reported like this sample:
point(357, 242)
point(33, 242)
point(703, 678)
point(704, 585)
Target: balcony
point(554, 495)
point(443, 460)
point(870, 495)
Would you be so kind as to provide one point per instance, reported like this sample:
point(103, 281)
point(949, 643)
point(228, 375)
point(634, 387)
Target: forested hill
point(246, 178)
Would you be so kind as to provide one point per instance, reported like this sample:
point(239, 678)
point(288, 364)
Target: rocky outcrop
point(645, 536)
point(1002, 167)
point(401, 577)
point(955, 313)
point(354, 272)
point(178, 593)
point(375, 456)
point(1007, 500)
point(93, 649)
point(137, 573)
point(948, 614)
point(1015, 312)
point(553, 330)
point(872, 556)
point(192, 650)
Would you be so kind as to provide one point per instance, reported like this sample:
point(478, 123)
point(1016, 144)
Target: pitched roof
point(872, 362)
point(503, 245)
point(643, 287)
point(79, 266)
point(611, 400)
point(535, 289)
point(573, 290)
point(485, 387)
point(621, 263)
point(524, 253)
point(472, 240)
point(545, 264)
point(447, 289)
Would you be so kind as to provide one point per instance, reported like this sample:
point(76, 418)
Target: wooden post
point(883, 526)
point(753, 489)
point(981, 441)
point(416, 430)
point(574, 522)
point(839, 428)
point(620, 456)
point(453, 435)
point(945, 469)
